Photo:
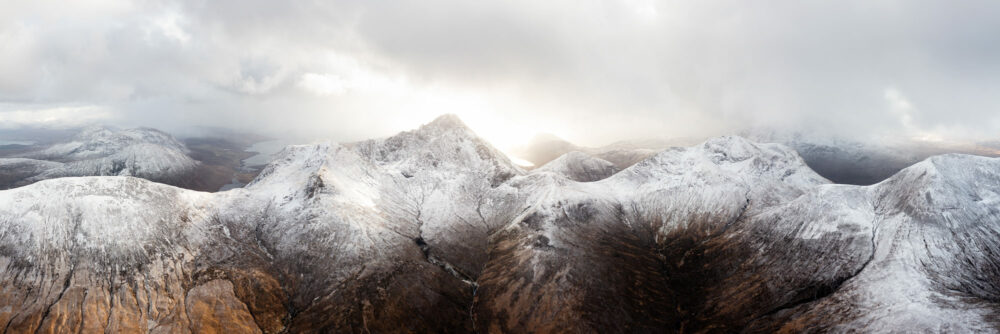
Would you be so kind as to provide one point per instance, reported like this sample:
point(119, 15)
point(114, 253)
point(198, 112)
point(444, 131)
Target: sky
point(590, 71)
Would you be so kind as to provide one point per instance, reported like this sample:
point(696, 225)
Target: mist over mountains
point(516, 166)
point(435, 230)
point(591, 71)
point(839, 159)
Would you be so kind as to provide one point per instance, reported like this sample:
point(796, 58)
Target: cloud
point(323, 84)
point(54, 117)
point(593, 70)
point(901, 107)
point(169, 24)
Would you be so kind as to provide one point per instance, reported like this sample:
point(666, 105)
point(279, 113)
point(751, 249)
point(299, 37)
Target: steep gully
point(835, 287)
point(451, 269)
point(77, 220)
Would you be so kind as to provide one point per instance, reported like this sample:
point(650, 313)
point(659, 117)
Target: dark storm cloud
point(616, 69)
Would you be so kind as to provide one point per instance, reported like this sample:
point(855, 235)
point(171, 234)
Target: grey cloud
point(614, 69)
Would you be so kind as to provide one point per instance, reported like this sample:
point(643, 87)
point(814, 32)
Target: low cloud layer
point(590, 71)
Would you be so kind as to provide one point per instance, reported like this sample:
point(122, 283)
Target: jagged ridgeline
point(435, 231)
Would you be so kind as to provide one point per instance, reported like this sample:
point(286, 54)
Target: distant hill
point(141, 152)
point(841, 160)
point(544, 148)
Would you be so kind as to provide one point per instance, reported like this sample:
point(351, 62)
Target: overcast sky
point(589, 71)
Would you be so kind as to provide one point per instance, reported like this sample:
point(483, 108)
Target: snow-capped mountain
point(98, 151)
point(98, 141)
point(579, 166)
point(591, 255)
point(862, 161)
point(926, 236)
point(433, 230)
point(846, 160)
point(545, 148)
point(840, 159)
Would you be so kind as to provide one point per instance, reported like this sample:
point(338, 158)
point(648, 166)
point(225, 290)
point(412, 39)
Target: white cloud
point(169, 25)
point(54, 117)
point(342, 74)
point(643, 9)
point(901, 108)
point(323, 84)
point(594, 69)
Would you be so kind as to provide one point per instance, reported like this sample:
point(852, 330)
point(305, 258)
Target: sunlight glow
point(486, 116)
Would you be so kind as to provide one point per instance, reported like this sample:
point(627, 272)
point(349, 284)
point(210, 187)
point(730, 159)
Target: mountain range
point(840, 159)
point(435, 230)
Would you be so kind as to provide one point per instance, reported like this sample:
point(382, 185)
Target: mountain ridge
point(434, 230)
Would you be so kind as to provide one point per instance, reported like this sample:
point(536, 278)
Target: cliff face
point(433, 230)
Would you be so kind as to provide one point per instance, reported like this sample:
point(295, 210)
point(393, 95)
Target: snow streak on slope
point(932, 269)
point(591, 247)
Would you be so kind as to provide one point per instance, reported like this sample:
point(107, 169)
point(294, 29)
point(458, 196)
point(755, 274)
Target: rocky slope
point(928, 268)
point(433, 230)
point(597, 257)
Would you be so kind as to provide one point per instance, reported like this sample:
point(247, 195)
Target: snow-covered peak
point(862, 161)
point(579, 166)
point(727, 233)
point(445, 145)
point(294, 164)
point(94, 131)
point(443, 151)
point(731, 148)
point(446, 121)
point(770, 171)
point(950, 171)
point(103, 141)
point(945, 186)
point(102, 151)
point(119, 219)
point(304, 171)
